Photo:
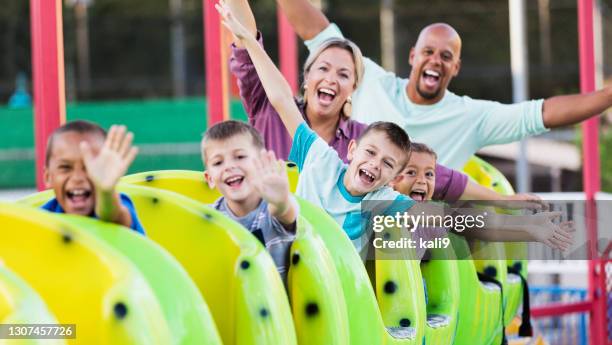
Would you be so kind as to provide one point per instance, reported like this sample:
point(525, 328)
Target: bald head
point(440, 31)
point(435, 61)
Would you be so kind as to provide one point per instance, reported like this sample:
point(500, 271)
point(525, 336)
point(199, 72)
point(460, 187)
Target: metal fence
point(569, 329)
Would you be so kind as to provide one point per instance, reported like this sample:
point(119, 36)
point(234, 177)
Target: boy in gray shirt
point(254, 186)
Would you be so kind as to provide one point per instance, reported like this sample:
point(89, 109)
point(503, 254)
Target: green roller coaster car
point(441, 274)
point(21, 304)
point(82, 279)
point(365, 322)
point(315, 291)
point(230, 267)
point(213, 248)
point(185, 311)
point(489, 176)
point(489, 326)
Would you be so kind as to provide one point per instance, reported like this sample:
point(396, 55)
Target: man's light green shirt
point(456, 127)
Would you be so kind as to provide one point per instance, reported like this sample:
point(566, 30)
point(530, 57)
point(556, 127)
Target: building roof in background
point(543, 152)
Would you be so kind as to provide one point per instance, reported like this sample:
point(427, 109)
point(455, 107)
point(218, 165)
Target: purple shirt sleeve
point(450, 184)
point(261, 114)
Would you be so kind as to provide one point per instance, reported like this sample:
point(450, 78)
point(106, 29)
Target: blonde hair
point(344, 44)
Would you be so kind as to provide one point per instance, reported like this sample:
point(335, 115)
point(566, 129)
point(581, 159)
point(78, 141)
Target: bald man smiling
point(454, 126)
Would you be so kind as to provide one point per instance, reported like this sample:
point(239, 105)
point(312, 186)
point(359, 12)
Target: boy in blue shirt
point(83, 165)
point(376, 158)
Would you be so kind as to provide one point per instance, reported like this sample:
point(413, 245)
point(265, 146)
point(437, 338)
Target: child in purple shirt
point(418, 180)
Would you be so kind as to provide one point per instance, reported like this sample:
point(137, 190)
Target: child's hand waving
point(271, 181)
point(110, 164)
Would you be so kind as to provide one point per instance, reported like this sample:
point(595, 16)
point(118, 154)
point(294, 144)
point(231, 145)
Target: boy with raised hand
point(376, 158)
point(254, 186)
point(83, 165)
point(418, 180)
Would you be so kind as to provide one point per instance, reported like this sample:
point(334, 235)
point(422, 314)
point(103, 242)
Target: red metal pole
point(591, 170)
point(214, 64)
point(556, 309)
point(287, 50)
point(591, 175)
point(48, 75)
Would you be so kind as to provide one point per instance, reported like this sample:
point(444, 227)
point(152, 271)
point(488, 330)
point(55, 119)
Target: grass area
point(160, 121)
point(153, 122)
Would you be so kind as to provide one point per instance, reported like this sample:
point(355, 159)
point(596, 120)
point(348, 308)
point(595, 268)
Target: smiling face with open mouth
point(229, 167)
point(419, 177)
point(329, 82)
point(374, 162)
point(435, 60)
point(66, 174)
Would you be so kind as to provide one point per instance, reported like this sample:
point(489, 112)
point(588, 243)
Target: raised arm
point(105, 168)
point(535, 228)
point(305, 18)
point(571, 109)
point(276, 87)
point(242, 12)
point(490, 226)
point(538, 227)
point(477, 192)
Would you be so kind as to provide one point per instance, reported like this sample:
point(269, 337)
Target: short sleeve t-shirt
point(455, 127)
point(267, 229)
point(321, 182)
point(54, 206)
